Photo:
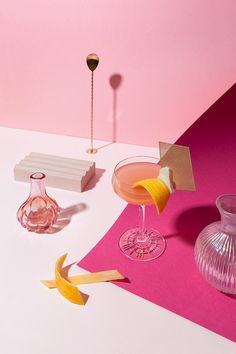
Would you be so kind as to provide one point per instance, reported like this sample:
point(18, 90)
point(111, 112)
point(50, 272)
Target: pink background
point(175, 59)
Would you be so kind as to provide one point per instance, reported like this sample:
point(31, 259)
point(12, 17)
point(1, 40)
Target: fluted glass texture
point(215, 248)
point(39, 211)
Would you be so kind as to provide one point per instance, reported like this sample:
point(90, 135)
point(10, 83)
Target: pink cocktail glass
point(139, 243)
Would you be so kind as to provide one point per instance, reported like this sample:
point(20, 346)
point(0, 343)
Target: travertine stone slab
point(61, 172)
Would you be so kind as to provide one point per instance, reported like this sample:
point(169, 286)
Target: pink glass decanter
point(215, 248)
point(39, 211)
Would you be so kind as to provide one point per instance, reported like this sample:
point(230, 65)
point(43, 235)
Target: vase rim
point(227, 198)
point(37, 175)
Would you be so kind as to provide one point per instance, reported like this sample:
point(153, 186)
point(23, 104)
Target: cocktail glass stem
point(142, 237)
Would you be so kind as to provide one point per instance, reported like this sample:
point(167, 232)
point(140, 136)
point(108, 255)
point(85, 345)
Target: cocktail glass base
point(142, 245)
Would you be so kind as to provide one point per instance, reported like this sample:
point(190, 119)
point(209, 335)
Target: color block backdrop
point(162, 64)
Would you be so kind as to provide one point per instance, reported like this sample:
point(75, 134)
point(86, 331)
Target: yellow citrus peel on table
point(66, 285)
point(97, 277)
point(69, 291)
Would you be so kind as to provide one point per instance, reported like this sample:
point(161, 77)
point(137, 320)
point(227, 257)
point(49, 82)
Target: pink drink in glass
point(127, 175)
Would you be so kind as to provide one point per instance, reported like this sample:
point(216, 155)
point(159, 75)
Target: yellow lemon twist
point(66, 285)
point(157, 189)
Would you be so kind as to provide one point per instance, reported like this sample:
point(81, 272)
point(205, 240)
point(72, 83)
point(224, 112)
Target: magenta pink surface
point(173, 281)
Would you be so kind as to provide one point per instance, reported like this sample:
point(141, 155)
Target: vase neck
point(37, 184)
point(228, 225)
point(227, 208)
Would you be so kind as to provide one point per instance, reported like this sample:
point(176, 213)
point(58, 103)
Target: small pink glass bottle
point(39, 211)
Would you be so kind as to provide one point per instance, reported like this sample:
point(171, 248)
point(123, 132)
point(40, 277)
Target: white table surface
point(34, 320)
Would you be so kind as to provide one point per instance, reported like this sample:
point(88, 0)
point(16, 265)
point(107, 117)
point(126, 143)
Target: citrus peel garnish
point(157, 189)
point(97, 277)
point(66, 285)
point(69, 291)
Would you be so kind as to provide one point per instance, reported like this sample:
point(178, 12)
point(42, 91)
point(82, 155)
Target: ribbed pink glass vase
point(215, 248)
point(39, 211)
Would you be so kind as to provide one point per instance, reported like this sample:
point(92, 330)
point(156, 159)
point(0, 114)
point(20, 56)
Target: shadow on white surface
point(65, 216)
point(98, 174)
point(104, 146)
